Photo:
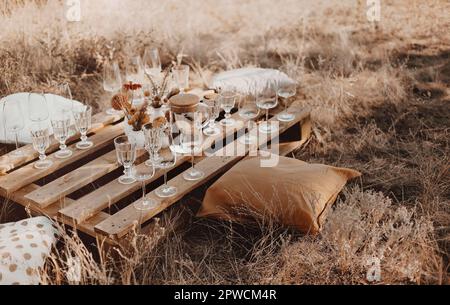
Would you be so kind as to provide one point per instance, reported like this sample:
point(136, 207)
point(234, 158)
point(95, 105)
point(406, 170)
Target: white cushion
point(250, 81)
point(24, 247)
point(53, 102)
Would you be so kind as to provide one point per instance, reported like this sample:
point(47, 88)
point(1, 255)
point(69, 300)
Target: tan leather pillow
point(294, 193)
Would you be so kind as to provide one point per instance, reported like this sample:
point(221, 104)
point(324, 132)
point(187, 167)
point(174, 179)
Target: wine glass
point(153, 143)
point(227, 103)
point(248, 111)
point(214, 112)
point(267, 100)
point(61, 131)
point(142, 174)
point(13, 121)
point(37, 107)
point(134, 71)
point(62, 90)
point(82, 115)
point(152, 62)
point(41, 141)
point(181, 75)
point(286, 91)
point(191, 141)
point(126, 155)
point(168, 159)
point(112, 82)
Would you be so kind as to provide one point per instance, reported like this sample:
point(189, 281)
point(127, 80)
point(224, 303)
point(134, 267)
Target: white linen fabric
point(53, 102)
point(249, 81)
point(24, 247)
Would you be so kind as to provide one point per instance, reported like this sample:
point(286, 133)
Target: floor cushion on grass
point(54, 102)
point(24, 247)
point(294, 193)
point(249, 81)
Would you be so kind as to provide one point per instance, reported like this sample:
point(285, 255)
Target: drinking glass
point(13, 121)
point(82, 115)
point(41, 141)
point(37, 107)
point(126, 155)
point(63, 90)
point(61, 131)
point(286, 91)
point(153, 143)
point(112, 82)
point(265, 101)
point(134, 70)
point(142, 174)
point(181, 75)
point(168, 159)
point(152, 62)
point(227, 103)
point(214, 111)
point(248, 111)
point(191, 141)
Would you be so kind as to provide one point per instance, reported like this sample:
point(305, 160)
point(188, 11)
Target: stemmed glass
point(153, 143)
point(152, 62)
point(286, 91)
point(227, 103)
point(192, 139)
point(37, 107)
point(134, 71)
point(168, 159)
point(214, 112)
point(181, 75)
point(14, 122)
point(57, 108)
point(112, 82)
point(142, 174)
point(61, 131)
point(41, 141)
point(267, 100)
point(248, 111)
point(126, 155)
point(82, 115)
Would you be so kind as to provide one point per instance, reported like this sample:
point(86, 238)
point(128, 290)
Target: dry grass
point(381, 106)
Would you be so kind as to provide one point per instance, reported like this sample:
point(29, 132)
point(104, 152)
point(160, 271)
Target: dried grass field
point(380, 94)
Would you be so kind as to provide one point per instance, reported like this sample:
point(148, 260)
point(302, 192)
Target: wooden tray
point(83, 192)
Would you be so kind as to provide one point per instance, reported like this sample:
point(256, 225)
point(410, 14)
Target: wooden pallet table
point(83, 192)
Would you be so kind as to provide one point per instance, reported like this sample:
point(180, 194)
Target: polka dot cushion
point(24, 247)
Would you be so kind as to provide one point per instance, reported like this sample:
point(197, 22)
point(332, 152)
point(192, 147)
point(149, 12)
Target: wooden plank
point(119, 224)
point(9, 162)
point(112, 192)
point(28, 174)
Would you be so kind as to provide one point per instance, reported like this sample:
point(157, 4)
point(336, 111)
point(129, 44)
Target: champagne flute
point(227, 103)
point(153, 143)
point(152, 62)
point(13, 121)
point(181, 74)
point(265, 101)
point(82, 115)
point(168, 160)
point(61, 131)
point(112, 82)
point(142, 174)
point(37, 107)
point(286, 91)
point(134, 71)
point(248, 111)
point(214, 111)
point(41, 141)
point(126, 155)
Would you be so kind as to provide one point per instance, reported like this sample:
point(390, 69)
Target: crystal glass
point(286, 91)
point(37, 107)
point(82, 115)
point(248, 111)
point(153, 143)
point(41, 141)
point(57, 108)
point(126, 155)
point(142, 174)
point(267, 100)
point(152, 62)
point(214, 111)
point(227, 102)
point(13, 121)
point(112, 81)
point(134, 71)
point(181, 75)
point(61, 131)
point(168, 159)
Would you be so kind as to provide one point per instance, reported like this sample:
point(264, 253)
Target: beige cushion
point(294, 193)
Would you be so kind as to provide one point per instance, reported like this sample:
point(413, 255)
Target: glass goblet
point(82, 116)
point(61, 131)
point(267, 100)
point(248, 111)
point(142, 174)
point(286, 91)
point(167, 161)
point(126, 155)
point(41, 141)
point(153, 143)
point(214, 111)
point(227, 102)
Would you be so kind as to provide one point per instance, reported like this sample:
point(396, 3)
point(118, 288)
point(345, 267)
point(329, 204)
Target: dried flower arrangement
point(158, 92)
